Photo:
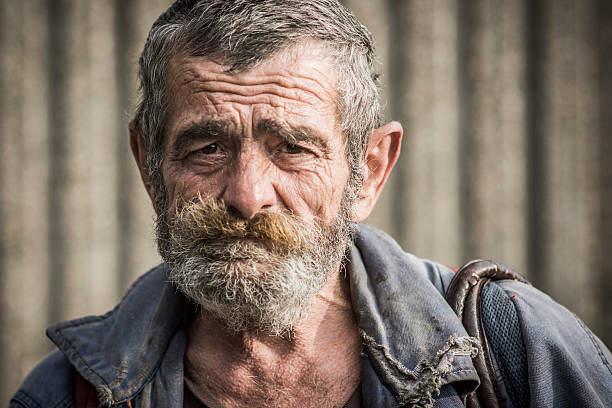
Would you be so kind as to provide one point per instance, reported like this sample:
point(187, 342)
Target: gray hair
point(243, 33)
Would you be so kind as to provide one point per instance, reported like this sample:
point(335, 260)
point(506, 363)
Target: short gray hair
point(243, 33)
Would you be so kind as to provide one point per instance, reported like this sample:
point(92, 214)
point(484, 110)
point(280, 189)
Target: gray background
point(506, 105)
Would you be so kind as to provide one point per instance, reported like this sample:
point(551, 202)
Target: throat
point(318, 368)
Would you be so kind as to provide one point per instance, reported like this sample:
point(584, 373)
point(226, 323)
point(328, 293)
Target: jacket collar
point(120, 351)
point(413, 342)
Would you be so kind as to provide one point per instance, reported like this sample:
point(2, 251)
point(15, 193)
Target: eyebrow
point(294, 134)
point(204, 130)
point(211, 129)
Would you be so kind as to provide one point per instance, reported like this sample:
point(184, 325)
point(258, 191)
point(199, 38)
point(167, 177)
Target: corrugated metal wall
point(507, 108)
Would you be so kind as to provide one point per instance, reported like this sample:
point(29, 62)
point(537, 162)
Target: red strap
point(85, 395)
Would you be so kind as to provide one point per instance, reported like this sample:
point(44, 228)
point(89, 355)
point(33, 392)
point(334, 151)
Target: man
point(259, 141)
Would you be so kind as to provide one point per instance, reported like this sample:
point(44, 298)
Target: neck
point(321, 357)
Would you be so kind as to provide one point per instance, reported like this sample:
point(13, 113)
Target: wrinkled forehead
point(302, 76)
point(294, 89)
point(310, 57)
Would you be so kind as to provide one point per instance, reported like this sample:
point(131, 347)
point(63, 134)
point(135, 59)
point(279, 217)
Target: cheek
point(183, 186)
point(314, 193)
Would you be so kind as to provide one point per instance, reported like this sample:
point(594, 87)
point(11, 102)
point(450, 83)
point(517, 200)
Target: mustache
point(206, 221)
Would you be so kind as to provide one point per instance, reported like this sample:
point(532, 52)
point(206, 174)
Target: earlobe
point(139, 150)
point(382, 154)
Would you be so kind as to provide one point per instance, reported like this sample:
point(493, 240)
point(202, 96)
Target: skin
point(269, 139)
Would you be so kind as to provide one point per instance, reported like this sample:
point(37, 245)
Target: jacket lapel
point(412, 341)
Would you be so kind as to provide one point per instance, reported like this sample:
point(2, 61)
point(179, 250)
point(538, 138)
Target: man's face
point(267, 139)
point(263, 142)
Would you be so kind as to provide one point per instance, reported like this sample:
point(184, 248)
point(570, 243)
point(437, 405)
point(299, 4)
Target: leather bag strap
point(464, 295)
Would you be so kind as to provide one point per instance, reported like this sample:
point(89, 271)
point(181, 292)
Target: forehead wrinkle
point(242, 89)
point(190, 69)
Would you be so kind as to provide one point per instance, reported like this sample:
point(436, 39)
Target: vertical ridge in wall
point(466, 21)
point(23, 190)
point(35, 162)
point(11, 192)
point(398, 13)
point(100, 153)
point(57, 25)
point(124, 38)
point(431, 120)
point(535, 125)
point(570, 145)
point(494, 155)
point(604, 47)
point(73, 122)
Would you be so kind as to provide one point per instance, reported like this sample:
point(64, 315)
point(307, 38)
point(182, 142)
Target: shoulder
point(50, 384)
point(95, 345)
point(540, 314)
point(381, 252)
point(567, 364)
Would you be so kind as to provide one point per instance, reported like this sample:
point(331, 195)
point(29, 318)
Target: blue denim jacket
point(415, 351)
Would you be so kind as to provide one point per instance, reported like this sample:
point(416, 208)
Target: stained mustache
point(207, 220)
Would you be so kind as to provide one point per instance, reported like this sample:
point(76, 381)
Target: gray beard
point(245, 284)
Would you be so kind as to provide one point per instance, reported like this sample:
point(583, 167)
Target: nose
point(249, 188)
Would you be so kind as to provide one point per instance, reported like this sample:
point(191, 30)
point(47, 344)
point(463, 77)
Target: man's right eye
point(209, 149)
point(212, 152)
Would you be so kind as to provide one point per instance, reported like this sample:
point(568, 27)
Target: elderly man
point(259, 141)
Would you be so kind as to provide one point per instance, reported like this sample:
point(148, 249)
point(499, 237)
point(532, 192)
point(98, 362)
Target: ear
point(139, 150)
point(382, 154)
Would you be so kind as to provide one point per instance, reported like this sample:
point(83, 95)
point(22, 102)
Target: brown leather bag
point(464, 295)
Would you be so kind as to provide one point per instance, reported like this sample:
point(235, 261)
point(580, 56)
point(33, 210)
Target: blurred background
point(507, 111)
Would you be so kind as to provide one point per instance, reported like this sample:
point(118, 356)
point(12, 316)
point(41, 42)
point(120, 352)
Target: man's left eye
point(291, 148)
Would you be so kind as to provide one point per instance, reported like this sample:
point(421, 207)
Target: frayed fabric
point(418, 387)
point(105, 394)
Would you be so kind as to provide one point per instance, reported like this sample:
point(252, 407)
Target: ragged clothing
point(415, 350)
